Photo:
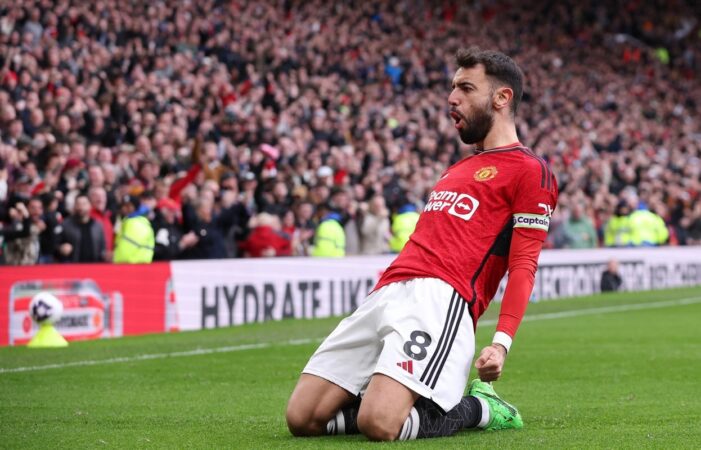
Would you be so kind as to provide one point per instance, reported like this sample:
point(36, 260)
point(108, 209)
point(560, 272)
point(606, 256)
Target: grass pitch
point(611, 371)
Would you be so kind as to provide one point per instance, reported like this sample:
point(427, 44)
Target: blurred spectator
point(324, 176)
point(234, 215)
point(22, 192)
point(21, 237)
point(82, 238)
point(694, 228)
point(99, 212)
point(330, 238)
point(205, 237)
point(49, 238)
point(556, 233)
point(134, 242)
point(374, 227)
point(248, 191)
point(275, 199)
point(647, 228)
point(617, 231)
point(266, 238)
point(169, 241)
point(611, 278)
point(211, 162)
point(304, 224)
point(403, 225)
point(73, 178)
point(579, 229)
point(340, 201)
point(287, 224)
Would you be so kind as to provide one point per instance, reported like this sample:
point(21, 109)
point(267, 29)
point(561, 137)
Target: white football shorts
point(418, 332)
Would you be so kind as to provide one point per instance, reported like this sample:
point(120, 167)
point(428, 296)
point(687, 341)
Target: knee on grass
point(378, 427)
point(301, 423)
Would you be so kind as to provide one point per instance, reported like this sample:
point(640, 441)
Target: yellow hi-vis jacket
point(617, 232)
point(402, 227)
point(648, 228)
point(329, 240)
point(135, 242)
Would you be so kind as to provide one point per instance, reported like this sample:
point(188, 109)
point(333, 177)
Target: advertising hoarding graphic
point(100, 300)
point(88, 312)
point(212, 294)
point(106, 300)
point(232, 292)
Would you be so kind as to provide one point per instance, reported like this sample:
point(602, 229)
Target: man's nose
point(453, 99)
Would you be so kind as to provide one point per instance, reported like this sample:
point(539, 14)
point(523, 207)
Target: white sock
point(484, 421)
point(410, 429)
point(337, 425)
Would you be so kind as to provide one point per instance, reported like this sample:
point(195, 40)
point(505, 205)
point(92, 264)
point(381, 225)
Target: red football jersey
point(464, 232)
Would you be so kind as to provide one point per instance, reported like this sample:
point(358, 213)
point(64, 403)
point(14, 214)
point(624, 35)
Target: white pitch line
point(603, 310)
point(238, 348)
point(124, 359)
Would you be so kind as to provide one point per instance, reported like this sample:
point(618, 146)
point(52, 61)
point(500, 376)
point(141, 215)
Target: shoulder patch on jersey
point(486, 173)
point(536, 221)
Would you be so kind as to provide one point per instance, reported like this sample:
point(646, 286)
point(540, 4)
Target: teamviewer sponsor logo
point(537, 221)
point(464, 207)
point(458, 205)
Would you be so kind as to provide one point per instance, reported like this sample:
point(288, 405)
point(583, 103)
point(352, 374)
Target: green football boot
point(502, 415)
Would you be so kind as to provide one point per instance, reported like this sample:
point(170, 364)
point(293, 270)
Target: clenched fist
point(491, 362)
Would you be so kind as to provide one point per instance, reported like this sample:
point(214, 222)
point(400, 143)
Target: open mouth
point(457, 118)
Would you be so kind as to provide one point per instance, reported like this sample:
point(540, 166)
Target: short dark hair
point(35, 198)
point(497, 66)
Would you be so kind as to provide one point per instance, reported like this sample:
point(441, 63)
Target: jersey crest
point(486, 173)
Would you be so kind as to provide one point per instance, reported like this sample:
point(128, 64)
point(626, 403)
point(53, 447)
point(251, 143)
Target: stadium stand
point(203, 115)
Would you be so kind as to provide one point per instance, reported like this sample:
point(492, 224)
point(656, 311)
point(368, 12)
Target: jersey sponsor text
point(459, 205)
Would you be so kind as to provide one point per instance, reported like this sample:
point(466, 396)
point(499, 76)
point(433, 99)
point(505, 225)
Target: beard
point(478, 125)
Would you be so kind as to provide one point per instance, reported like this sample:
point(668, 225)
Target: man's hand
point(228, 198)
point(40, 225)
point(188, 240)
point(65, 249)
point(490, 362)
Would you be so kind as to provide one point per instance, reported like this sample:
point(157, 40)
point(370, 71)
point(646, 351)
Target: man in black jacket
point(611, 280)
point(205, 229)
point(170, 241)
point(82, 238)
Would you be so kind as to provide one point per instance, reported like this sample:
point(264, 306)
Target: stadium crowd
point(234, 129)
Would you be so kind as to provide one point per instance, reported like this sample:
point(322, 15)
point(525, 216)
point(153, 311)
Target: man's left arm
point(534, 198)
point(523, 262)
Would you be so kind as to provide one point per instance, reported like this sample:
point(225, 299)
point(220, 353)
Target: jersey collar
point(514, 145)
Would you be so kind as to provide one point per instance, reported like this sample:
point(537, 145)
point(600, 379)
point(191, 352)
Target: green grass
point(608, 379)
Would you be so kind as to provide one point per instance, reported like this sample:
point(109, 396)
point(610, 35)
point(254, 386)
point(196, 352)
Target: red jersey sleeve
point(535, 197)
point(523, 262)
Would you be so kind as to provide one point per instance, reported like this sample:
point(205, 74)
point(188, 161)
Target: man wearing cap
point(249, 184)
point(134, 242)
point(617, 231)
point(325, 175)
point(330, 237)
point(169, 238)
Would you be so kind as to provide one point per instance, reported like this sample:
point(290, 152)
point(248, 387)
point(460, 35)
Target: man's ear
point(502, 97)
